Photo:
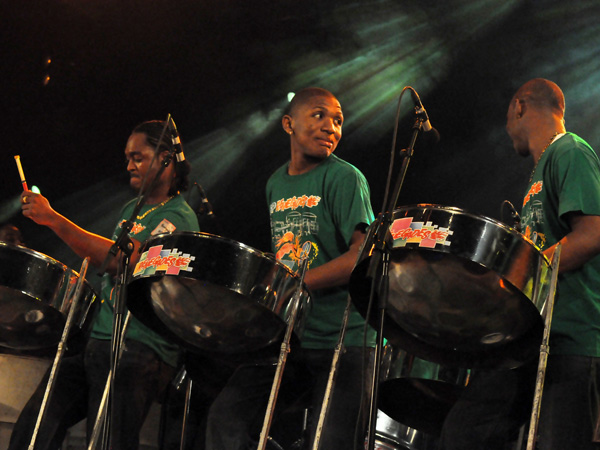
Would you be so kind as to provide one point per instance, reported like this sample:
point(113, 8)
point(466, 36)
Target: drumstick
point(21, 174)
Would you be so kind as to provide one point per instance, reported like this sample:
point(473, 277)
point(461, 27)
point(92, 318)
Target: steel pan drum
point(464, 290)
point(418, 393)
point(213, 295)
point(33, 308)
point(393, 435)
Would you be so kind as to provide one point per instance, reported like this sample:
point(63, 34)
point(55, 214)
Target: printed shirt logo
point(135, 229)
point(294, 229)
point(535, 188)
point(290, 251)
point(163, 227)
point(295, 202)
point(405, 231)
point(157, 259)
point(533, 219)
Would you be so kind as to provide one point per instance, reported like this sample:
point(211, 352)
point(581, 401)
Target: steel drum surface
point(33, 308)
point(416, 392)
point(214, 295)
point(462, 288)
point(393, 435)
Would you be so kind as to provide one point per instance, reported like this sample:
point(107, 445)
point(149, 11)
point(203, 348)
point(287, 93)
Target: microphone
point(514, 214)
point(176, 140)
point(206, 206)
point(420, 111)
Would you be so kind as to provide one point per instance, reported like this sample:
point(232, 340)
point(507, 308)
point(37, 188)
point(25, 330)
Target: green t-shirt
point(323, 207)
point(175, 215)
point(567, 179)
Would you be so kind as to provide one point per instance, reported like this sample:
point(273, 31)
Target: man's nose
point(328, 125)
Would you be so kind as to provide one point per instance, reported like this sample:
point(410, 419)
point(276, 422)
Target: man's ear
point(286, 123)
point(520, 108)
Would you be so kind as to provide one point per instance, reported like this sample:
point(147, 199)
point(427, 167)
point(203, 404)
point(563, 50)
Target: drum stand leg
point(339, 349)
point(541, 374)
point(186, 412)
point(61, 348)
point(285, 349)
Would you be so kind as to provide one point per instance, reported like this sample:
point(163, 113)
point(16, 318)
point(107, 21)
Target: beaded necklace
point(538, 161)
point(156, 207)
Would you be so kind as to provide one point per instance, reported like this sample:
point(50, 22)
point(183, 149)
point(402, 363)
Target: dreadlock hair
point(153, 130)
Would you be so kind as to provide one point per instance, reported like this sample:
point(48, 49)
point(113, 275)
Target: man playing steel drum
point(320, 202)
point(148, 361)
point(561, 204)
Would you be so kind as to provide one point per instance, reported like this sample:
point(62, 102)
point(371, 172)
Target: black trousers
point(491, 410)
point(78, 390)
point(236, 416)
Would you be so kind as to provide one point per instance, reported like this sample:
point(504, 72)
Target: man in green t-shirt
point(561, 204)
point(148, 361)
point(318, 202)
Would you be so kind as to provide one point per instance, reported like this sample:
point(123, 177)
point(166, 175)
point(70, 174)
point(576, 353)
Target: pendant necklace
point(541, 154)
point(155, 207)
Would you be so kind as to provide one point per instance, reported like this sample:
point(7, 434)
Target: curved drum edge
point(214, 295)
point(33, 307)
point(393, 435)
point(464, 290)
point(418, 393)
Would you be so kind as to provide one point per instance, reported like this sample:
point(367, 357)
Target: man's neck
point(542, 139)
point(155, 198)
point(304, 165)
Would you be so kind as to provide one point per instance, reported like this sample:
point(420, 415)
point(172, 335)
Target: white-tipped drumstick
point(21, 174)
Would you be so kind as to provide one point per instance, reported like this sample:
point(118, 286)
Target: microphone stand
point(102, 410)
point(379, 262)
point(124, 244)
point(205, 209)
point(514, 215)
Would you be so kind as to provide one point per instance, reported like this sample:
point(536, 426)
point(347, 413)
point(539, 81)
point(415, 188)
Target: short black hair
point(304, 95)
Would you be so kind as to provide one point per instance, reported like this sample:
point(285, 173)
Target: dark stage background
point(78, 75)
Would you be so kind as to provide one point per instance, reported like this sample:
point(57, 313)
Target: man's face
point(11, 234)
point(514, 129)
point(317, 127)
point(139, 157)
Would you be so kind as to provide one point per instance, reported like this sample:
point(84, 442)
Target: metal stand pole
point(186, 412)
point(285, 349)
point(382, 302)
point(379, 264)
point(100, 423)
point(339, 348)
point(544, 349)
point(61, 347)
point(124, 244)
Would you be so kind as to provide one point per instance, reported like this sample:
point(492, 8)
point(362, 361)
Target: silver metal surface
point(418, 393)
point(393, 435)
point(33, 307)
point(224, 298)
point(462, 288)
